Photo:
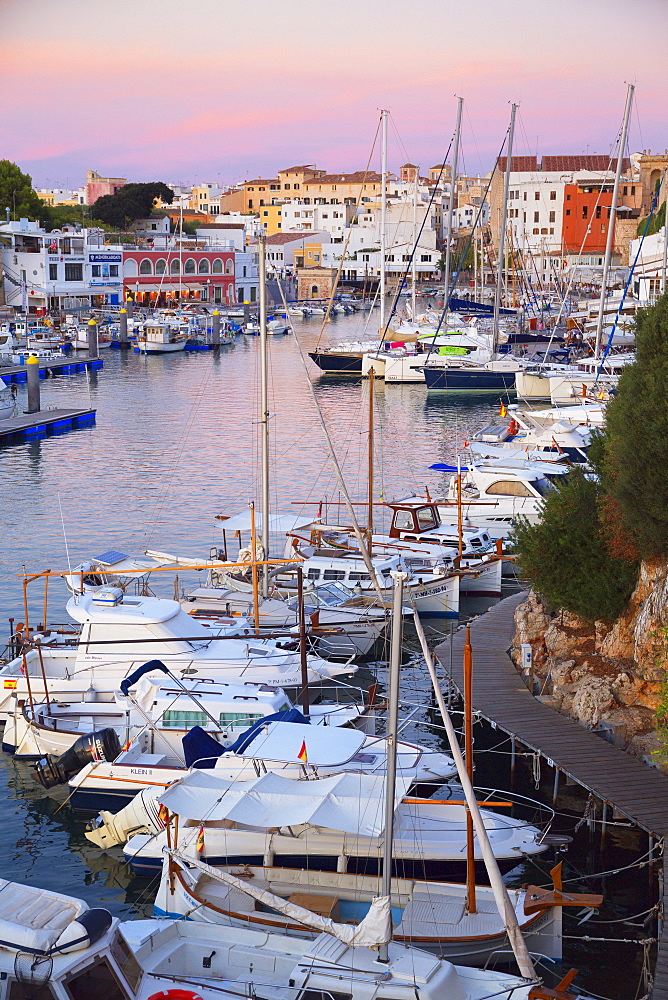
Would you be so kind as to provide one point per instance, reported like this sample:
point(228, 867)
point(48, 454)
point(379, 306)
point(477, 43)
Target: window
point(203, 293)
point(96, 980)
point(161, 266)
point(536, 216)
point(287, 187)
point(126, 961)
point(53, 272)
point(173, 719)
point(358, 577)
point(189, 267)
point(536, 232)
point(568, 211)
point(73, 272)
point(334, 574)
point(525, 196)
point(239, 719)
point(598, 211)
point(626, 190)
point(265, 213)
point(253, 294)
point(508, 488)
point(426, 519)
point(313, 574)
point(553, 195)
point(536, 195)
point(175, 266)
point(633, 189)
point(95, 271)
point(19, 992)
point(217, 266)
point(425, 258)
point(568, 197)
point(403, 520)
point(585, 211)
point(113, 270)
point(146, 267)
point(130, 268)
point(552, 217)
point(203, 267)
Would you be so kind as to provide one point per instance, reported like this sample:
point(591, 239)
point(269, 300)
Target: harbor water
point(175, 443)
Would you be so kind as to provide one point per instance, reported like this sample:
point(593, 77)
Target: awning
point(351, 803)
point(324, 746)
point(277, 522)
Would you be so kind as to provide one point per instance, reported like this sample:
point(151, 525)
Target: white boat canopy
point(277, 522)
point(351, 803)
point(321, 746)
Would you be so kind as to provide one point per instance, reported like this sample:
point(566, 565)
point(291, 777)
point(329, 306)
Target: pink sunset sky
point(219, 91)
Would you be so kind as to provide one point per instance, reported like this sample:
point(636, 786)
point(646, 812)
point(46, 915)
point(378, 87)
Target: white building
point(247, 280)
point(65, 269)
point(285, 251)
point(648, 277)
point(156, 225)
point(329, 217)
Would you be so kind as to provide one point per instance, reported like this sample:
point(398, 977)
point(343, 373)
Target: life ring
point(176, 995)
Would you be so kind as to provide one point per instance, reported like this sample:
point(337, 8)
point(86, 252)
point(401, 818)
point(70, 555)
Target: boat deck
point(500, 696)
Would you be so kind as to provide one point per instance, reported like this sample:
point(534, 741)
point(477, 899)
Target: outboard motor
point(102, 745)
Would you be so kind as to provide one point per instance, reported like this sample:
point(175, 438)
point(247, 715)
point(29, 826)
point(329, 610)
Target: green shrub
point(566, 558)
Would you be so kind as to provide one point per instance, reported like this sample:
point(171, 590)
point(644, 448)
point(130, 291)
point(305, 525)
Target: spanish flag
point(163, 815)
point(10, 684)
point(199, 844)
point(503, 410)
point(303, 755)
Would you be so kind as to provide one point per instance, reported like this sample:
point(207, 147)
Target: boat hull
point(468, 380)
point(332, 363)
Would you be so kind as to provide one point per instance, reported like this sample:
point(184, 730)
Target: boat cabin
point(419, 521)
point(327, 565)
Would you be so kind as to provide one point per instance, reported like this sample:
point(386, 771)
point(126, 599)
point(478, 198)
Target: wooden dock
point(29, 425)
point(637, 791)
point(66, 366)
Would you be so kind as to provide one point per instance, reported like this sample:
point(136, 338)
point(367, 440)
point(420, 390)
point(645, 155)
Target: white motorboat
point(116, 634)
point(523, 433)
point(325, 824)
point(275, 327)
point(272, 746)
point(56, 947)
point(161, 338)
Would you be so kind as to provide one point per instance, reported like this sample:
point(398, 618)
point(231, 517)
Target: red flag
point(303, 755)
point(200, 840)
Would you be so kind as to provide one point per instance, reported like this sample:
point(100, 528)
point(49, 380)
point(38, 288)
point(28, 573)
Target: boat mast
point(180, 250)
point(383, 215)
point(502, 232)
point(414, 264)
point(264, 406)
point(391, 736)
point(611, 220)
point(468, 753)
point(451, 203)
point(370, 467)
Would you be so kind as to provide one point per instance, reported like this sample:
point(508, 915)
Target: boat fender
point(513, 427)
point(84, 932)
point(175, 995)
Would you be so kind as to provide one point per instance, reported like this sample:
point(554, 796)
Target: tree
point(566, 557)
point(17, 195)
point(636, 439)
point(656, 223)
point(131, 202)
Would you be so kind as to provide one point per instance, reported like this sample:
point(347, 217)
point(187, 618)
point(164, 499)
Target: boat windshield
point(544, 486)
point(332, 595)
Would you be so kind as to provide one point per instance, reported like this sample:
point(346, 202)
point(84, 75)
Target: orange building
point(586, 217)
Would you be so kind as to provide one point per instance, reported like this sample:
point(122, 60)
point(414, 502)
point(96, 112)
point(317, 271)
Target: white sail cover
point(351, 803)
point(277, 522)
point(375, 929)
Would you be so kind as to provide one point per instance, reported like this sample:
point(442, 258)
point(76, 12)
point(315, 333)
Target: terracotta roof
point(359, 176)
point(299, 170)
point(518, 164)
point(293, 237)
point(263, 180)
point(584, 162)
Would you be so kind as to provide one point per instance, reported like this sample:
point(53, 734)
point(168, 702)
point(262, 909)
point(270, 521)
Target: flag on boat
point(303, 755)
point(10, 684)
point(199, 844)
point(503, 410)
point(163, 815)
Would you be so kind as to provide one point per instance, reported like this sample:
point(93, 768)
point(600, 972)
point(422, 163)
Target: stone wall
point(601, 673)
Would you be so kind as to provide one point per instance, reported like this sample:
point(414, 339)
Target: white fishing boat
point(114, 634)
point(161, 338)
point(434, 916)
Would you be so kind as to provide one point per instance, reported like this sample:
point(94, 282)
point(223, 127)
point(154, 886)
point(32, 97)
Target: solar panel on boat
point(111, 557)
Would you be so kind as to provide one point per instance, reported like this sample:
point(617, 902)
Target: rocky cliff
point(607, 676)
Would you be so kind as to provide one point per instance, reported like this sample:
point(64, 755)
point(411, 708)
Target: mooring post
point(92, 339)
point(32, 377)
point(246, 312)
point(216, 329)
point(123, 328)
